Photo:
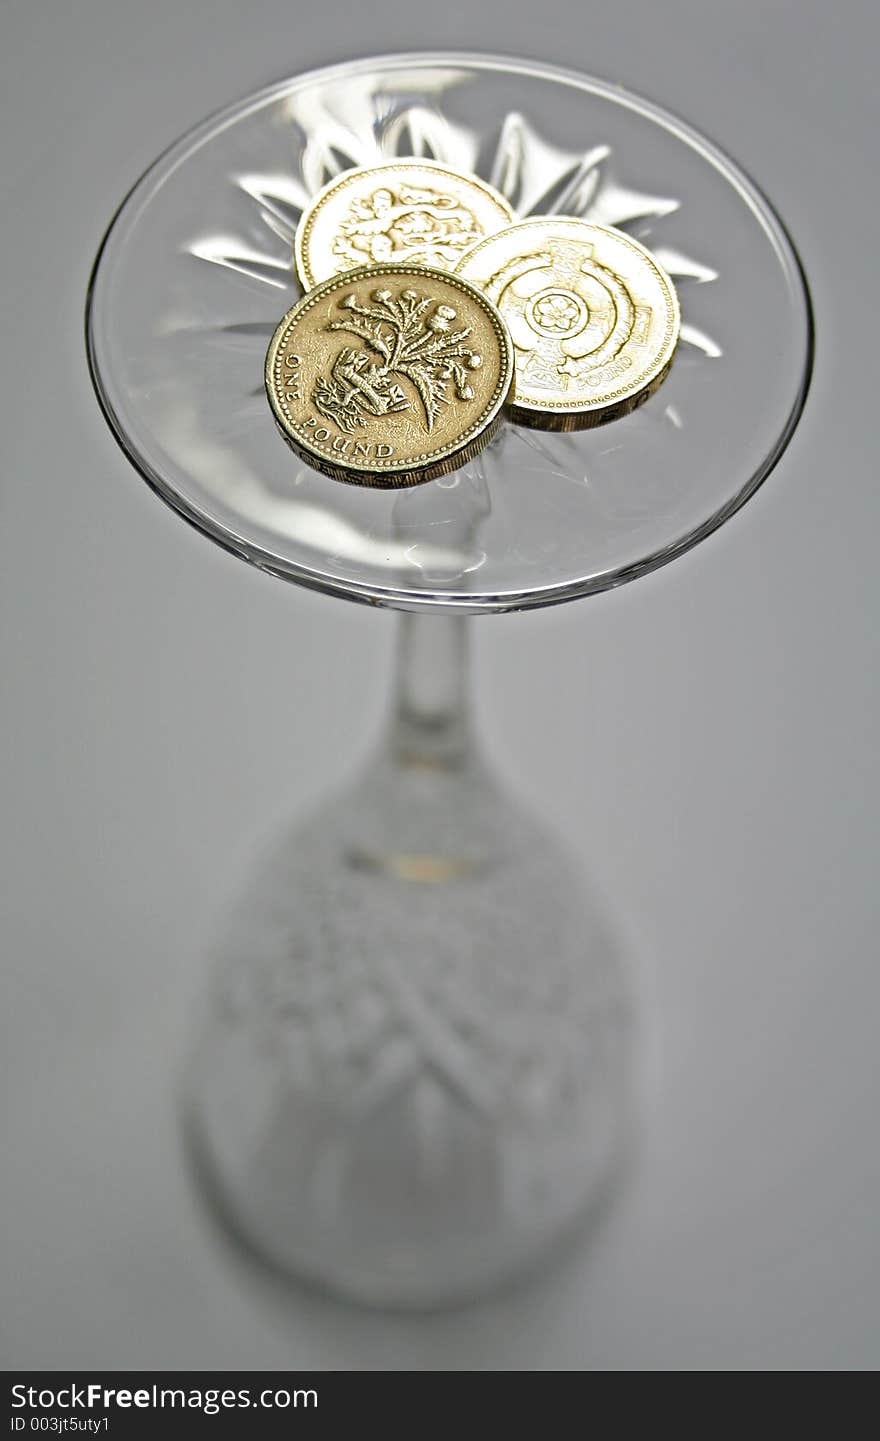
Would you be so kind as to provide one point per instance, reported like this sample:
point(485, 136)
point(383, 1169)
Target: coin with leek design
point(389, 375)
point(593, 317)
point(402, 212)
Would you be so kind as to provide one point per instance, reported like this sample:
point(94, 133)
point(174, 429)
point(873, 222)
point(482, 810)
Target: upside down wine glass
point(413, 1066)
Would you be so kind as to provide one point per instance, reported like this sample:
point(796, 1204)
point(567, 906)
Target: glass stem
point(431, 723)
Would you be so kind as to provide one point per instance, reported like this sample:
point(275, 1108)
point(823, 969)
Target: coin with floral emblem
point(389, 375)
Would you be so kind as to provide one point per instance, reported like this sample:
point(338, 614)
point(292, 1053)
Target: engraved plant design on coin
point(409, 223)
point(412, 344)
point(418, 392)
point(556, 312)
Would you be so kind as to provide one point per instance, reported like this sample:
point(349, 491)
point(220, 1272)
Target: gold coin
point(593, 318)
point(408, 212)
point(389, 375)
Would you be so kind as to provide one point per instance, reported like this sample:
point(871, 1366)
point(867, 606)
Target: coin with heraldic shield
point(389, 375)
point(593, 317)
point(410, 212)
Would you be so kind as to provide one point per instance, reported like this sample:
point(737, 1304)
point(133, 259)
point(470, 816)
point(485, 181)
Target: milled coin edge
point(401, 479)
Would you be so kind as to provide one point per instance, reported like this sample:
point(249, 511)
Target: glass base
point(413, 1072)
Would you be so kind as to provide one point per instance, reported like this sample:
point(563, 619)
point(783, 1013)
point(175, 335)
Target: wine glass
point(413, 1068)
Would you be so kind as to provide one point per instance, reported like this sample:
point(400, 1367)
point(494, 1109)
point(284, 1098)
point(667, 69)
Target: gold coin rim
point(346, 177)
point(613, 399)
point(388, 473)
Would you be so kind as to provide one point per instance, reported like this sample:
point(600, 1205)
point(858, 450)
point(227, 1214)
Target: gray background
point(713, 761)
